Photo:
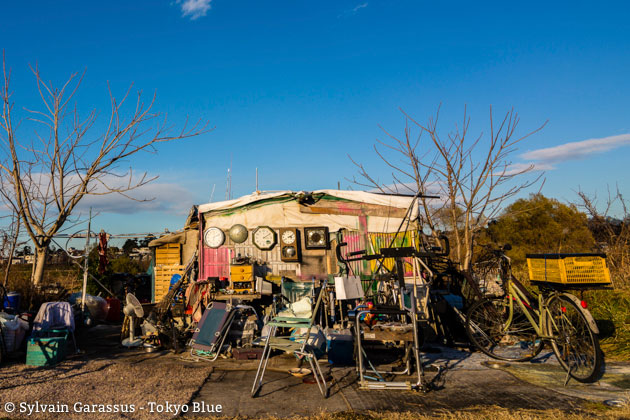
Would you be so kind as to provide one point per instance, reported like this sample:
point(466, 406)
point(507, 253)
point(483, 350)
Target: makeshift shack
point(293, 234)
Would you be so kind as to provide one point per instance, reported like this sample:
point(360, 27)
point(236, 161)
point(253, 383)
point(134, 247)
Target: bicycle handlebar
point(361, 255)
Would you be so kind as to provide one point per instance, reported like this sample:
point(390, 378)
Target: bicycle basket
point(569, 269)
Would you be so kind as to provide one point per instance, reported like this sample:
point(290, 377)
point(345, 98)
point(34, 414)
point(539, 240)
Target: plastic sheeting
point(289, 213)
point(357, 196)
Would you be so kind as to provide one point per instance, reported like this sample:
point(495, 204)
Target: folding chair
point(211, 332)
point(293, 317)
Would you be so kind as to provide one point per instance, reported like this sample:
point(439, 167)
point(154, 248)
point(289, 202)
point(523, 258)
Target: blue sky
point(293, 87)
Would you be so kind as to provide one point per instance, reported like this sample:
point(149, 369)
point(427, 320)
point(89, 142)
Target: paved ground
point(108, 374)
point(469, 381)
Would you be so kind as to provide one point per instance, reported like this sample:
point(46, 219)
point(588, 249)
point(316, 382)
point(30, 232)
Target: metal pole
point(86, 251)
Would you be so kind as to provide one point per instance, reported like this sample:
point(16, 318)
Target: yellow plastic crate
point(569, 269)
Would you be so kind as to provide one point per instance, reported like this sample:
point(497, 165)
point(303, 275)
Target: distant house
point(141, 254)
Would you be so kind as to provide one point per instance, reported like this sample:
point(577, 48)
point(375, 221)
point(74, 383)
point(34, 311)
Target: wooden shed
point(171, 254)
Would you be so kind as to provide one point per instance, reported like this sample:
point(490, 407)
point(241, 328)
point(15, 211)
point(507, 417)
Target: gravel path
point(138, 383)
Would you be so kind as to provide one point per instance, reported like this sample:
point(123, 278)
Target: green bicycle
point(515, 326)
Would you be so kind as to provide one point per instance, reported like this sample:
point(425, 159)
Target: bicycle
point(515, 326)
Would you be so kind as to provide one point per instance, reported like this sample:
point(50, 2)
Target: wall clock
point(213, 237)
point(264, 238)
point(290, 244)
point(316, 237)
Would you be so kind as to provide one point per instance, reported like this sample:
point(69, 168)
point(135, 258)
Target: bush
point(611, 310)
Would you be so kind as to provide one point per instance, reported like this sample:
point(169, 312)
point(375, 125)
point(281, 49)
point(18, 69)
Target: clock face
point(288, 237)
point(213, 237)
point(316, 237)
point(264, 238)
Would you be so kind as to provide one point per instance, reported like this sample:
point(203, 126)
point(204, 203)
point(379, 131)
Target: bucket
point(12, 302)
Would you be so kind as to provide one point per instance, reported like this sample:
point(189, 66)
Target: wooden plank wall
point(168, 261)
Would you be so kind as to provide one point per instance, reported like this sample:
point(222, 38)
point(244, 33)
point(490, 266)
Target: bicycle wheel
point(573, 342)
point(501, 332)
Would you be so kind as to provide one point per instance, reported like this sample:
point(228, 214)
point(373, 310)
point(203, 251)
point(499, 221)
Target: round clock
point(264, 238)
point(288, 237)
point(238, 234)
point(213, 237)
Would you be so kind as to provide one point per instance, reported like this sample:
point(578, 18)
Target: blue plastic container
point(45, 351)
point(340, 347)
point(12, 302)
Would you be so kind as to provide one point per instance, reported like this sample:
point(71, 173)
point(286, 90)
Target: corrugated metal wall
point(216, 262)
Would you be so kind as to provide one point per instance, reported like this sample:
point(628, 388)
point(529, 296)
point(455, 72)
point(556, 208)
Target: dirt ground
point(106, 381)
point(104, 374)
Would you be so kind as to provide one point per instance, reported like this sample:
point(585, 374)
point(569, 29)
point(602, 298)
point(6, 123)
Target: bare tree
point(69, 157)
point(9, 236)
point(473, 175)
point(611, 234)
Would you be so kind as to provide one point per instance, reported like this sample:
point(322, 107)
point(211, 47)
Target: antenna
point(212, 193)
point(257, 191)
point(227, 185)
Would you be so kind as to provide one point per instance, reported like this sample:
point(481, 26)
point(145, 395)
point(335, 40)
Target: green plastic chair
point(291, 292)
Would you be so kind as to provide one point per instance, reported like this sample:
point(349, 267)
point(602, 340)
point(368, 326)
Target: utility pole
point(86, 251)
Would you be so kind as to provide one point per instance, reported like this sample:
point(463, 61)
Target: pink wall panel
point(214, 262)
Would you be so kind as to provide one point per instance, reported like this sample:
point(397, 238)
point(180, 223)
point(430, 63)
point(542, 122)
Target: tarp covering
point(357, 196)
point(298, 209)
point(171, 238)
point(189, 239)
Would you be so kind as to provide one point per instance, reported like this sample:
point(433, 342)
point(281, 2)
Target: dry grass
point(611, 309)
point(592, 411)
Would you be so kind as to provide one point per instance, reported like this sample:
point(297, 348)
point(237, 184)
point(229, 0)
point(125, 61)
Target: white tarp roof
point(358, 196)
point(288, 213)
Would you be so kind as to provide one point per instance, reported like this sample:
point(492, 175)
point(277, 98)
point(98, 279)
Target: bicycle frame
point(542, 313)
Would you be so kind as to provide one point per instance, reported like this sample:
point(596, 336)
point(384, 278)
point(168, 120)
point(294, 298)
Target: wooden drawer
point(242, 277)
point(241, 269)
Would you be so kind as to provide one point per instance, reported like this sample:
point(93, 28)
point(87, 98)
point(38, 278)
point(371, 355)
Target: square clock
point(316, 237)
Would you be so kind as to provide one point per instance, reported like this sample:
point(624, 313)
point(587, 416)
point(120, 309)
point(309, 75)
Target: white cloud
point(194, 8)
point(155, 196)
point(354, 10)
point(577, 149)
point(359, 6)
point(159, 197)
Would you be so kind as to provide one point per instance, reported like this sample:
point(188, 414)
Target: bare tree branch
point(73, 159)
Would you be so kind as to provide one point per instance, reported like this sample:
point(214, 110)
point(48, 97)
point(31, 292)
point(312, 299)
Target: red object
point(584, 305)
point(564, 310)
point(370, 319)
point(102, 252)
point(113, 314)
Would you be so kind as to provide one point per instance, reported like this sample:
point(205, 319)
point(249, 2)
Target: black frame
point(275, 237)
point(326, 236)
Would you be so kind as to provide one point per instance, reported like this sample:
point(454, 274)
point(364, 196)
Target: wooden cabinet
point(242, 279)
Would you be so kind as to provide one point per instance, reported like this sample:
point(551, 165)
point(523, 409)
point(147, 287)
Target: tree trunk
point(40, 263)
point(14, 240)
